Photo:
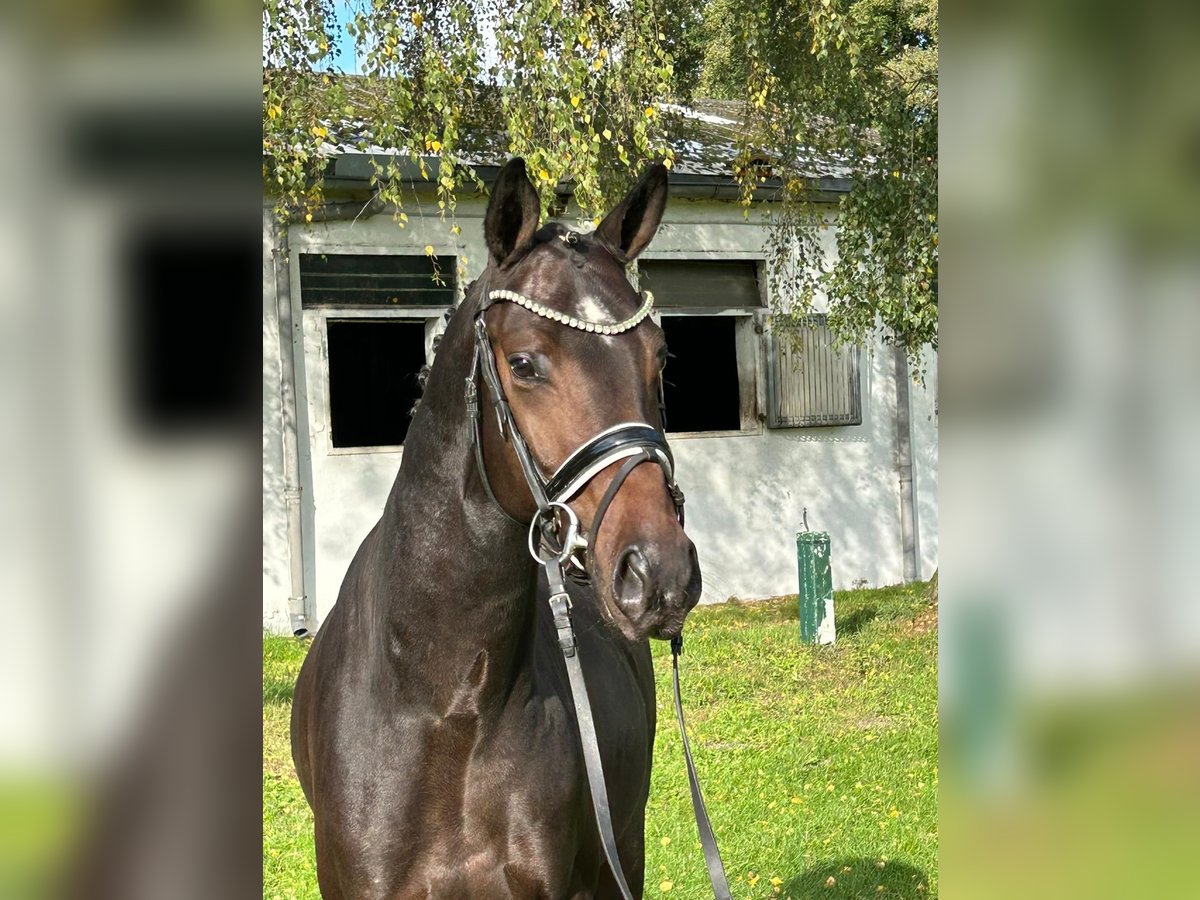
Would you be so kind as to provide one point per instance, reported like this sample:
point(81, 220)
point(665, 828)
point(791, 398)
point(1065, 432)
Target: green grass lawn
point(819, 765)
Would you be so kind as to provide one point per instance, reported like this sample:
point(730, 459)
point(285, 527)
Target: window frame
point(432, 317)
point(411, 315)
point(750, 362)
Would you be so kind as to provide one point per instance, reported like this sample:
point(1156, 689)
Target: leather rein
point(559, 546)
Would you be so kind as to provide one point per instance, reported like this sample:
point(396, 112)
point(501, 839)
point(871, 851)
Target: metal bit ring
point(569, 541)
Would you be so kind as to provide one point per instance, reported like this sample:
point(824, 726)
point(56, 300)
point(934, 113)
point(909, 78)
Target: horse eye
point(522, 366)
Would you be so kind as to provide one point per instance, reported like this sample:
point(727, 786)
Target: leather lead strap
point(560, 606)
point(708, 841)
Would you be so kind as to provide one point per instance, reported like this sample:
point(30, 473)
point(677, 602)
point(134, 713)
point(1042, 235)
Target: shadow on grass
point(852, 879)
point(855, 621)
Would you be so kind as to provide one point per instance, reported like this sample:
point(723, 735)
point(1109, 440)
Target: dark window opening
point(373, 367)
point(701, 379)
point(181, 374)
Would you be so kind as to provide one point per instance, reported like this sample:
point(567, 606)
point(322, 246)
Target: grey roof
point(703, 135)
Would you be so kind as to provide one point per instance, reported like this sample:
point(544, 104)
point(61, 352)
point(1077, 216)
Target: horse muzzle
point(654, 587)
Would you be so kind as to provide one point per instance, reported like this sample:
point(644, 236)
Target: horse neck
point(458, 578)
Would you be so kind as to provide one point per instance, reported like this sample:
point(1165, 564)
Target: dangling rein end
point(594, 327)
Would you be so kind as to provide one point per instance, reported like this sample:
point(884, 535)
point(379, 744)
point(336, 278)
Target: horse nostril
point(632, 582)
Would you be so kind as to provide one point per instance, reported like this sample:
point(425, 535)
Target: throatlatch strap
point(560, 606)
point(708, 840)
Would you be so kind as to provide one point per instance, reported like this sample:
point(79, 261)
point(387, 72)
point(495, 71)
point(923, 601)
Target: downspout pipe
point(298, 602)
point(904, 467)
point(301, 613)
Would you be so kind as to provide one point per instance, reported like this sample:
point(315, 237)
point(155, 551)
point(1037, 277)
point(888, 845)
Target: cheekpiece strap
point(504, 416)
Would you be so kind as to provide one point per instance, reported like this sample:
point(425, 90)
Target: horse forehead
point(596, 289)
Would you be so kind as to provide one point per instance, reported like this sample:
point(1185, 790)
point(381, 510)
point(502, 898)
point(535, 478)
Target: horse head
point(577, 357)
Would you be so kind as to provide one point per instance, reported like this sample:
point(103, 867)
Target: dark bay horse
point(433, 729)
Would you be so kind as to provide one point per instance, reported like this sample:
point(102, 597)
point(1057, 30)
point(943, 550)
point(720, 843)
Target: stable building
point(763, 430)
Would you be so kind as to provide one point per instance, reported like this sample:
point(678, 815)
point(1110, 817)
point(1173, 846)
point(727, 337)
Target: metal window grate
point(376, 280)
point(701, 283)
point(809, 381)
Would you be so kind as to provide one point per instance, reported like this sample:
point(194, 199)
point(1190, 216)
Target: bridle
point(633, 442)
point(559, 546)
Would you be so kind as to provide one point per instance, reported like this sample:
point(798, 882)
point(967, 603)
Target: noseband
point(634, 442)
point(555, 542)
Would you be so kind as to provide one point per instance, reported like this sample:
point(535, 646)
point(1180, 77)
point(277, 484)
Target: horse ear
point(633, 222)
point(512, 213)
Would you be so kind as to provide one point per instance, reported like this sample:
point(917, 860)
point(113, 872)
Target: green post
point(816, 587)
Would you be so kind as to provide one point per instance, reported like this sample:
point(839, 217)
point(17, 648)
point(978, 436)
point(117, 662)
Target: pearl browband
point(554, 315)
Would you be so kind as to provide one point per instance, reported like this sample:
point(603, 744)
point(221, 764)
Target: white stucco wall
point(745, 492)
